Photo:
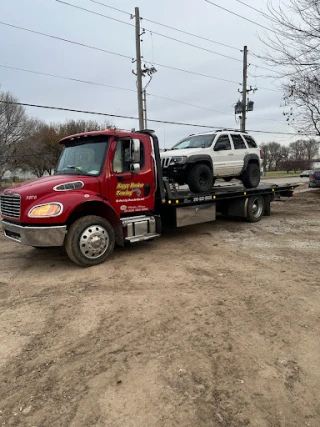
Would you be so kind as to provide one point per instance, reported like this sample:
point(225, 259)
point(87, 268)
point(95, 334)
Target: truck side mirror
point(135, 151)
point(135, 168)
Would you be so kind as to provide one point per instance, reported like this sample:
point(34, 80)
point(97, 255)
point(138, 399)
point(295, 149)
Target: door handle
point(230, 154)
point(147, 189)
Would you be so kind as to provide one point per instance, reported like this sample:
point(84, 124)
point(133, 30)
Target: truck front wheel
point(200, 178)
point(90, 240)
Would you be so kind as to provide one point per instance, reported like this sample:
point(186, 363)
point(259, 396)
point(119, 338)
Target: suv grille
point(165, 162)
point(10, 205)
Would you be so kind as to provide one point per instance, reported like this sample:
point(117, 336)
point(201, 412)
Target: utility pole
point(145, 108)
point(244, 89)
point(139, 70)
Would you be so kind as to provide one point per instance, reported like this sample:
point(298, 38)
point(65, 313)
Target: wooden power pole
point(139, 70)
point(244, 89)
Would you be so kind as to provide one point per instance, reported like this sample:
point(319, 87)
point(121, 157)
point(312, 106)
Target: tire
point(255, 208)
point(90, 240)
point(228, 178)
point(251, 176)
point(200, 178)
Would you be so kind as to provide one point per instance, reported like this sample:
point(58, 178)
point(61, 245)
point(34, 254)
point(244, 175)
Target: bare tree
point(40, 149)
point(294, 51)
point(311, 147)
point(12, 128)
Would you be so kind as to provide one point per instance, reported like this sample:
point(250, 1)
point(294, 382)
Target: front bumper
point(35, 236)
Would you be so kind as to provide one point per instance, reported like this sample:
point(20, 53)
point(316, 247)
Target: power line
point(257, 10)
point(108, 86)
point(118, 54)
point(117, 88)
point(111, 7)
point(65, 40)
point(66, 78)
point(136, 118)
point(169, 27)
point(151, 31)
point(242, 17)
point(163, 35)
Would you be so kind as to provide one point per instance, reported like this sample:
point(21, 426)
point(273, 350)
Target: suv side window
point(250, 141)
point(238, 142)
point(121, 160)
point(223, 143)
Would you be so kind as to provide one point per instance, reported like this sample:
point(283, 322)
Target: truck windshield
point(197, 141)
point(83, 157)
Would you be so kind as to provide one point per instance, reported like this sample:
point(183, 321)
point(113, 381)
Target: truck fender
point(200, 158)
point(248, 158)
point(100, 208)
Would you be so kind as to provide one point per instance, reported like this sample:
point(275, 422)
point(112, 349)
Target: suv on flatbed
point(199, 159)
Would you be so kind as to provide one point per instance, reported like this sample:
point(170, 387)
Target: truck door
point(131, 191)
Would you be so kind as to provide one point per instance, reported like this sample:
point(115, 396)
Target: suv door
point(223, 156)
point(240, 150)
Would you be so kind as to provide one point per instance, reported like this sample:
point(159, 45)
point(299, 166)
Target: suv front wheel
point(251, 176)
point(200, 178)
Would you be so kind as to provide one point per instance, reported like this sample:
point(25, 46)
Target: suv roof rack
point(231, 130)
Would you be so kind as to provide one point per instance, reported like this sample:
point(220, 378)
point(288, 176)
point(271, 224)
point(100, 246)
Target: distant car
point(306, 174)
point(314, 179)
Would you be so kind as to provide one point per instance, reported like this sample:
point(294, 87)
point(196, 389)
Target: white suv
point(199, 159)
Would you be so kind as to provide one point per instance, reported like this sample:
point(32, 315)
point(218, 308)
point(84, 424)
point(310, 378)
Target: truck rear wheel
point(251, 176)
point(255, 208)
point(200, 178)
point(90, 240)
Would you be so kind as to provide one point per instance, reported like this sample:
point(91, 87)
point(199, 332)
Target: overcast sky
point(42, 54)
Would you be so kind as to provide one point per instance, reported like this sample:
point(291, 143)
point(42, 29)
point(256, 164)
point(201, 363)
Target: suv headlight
point(45, 211)
point(178, 160)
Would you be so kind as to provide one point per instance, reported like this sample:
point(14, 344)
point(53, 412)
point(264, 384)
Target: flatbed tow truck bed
point(183, 207)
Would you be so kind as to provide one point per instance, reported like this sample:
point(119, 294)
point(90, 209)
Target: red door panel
point(128, 192)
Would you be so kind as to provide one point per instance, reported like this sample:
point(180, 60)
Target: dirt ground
point(213, 325)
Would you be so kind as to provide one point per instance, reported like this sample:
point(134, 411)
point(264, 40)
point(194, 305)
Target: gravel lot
point(213, 325)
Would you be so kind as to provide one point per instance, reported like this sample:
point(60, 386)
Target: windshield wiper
point(77, 168)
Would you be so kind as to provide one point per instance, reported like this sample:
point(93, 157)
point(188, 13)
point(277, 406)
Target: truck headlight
point(178, 160)
point(46, 210)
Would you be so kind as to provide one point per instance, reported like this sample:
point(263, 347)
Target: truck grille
point(165, 162)
point(10, 205)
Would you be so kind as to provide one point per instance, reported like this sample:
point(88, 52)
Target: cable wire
point(24, 104)
point(257, 10)
point(119, 54)
point(108, 86)
point(242, 17)
point(65, 40)
point(9, 67)
point(146, 29)
point(179, 30)
point(169, 27)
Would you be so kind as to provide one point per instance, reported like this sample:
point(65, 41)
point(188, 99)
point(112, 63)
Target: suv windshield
point(197, 141)
point(83, 157)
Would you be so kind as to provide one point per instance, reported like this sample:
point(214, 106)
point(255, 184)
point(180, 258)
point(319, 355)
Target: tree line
point(29, 144)
point(296, 156)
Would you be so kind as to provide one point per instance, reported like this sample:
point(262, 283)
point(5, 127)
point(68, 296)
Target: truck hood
point(183, 152)
point(39, 187)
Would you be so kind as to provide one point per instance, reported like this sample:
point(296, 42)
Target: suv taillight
point(314, 177)
point(261, 155)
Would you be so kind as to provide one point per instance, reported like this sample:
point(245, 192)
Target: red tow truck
point(108, 189)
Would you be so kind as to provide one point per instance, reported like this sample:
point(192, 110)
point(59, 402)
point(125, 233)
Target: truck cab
point(102, 179)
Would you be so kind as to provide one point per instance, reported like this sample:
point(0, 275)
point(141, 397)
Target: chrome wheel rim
point(257, 207)
point(94, 241)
